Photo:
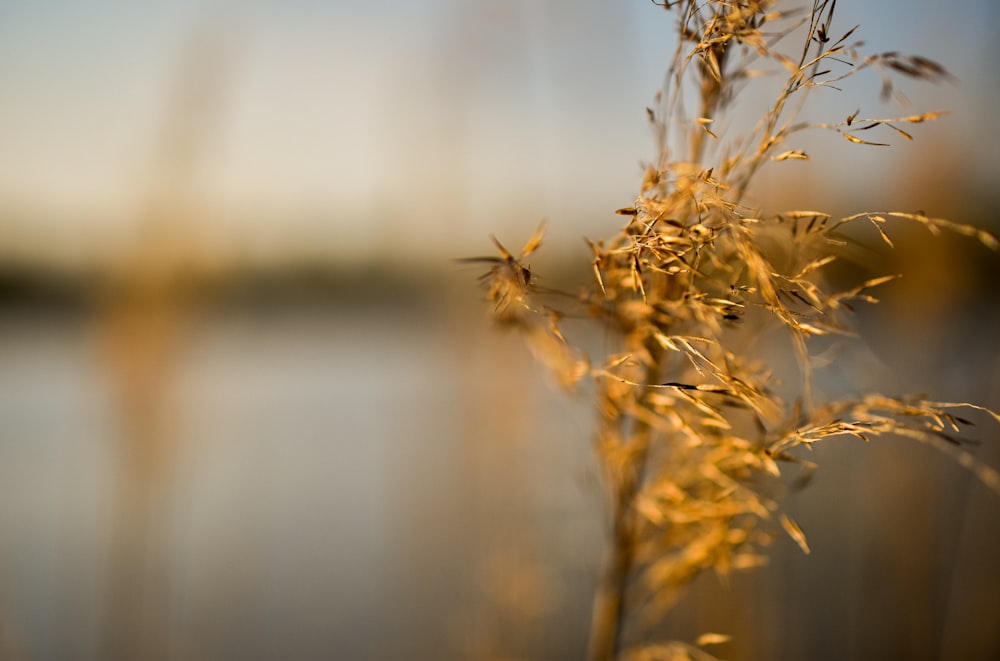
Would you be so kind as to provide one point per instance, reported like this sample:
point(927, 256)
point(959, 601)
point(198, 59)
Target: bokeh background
point(251, 409)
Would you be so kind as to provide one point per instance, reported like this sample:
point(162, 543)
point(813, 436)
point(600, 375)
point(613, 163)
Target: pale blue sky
point(338, 127)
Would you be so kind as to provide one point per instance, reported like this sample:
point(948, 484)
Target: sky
point(350, 130)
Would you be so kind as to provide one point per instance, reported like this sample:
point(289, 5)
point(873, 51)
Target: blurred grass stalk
point(146, 301)
point(694, 423)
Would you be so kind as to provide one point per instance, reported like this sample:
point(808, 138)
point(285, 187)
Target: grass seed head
point(692, 431)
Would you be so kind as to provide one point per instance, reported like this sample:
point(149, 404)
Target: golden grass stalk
point(692, 432)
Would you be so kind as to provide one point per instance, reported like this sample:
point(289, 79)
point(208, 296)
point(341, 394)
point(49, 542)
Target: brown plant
point(694, 428)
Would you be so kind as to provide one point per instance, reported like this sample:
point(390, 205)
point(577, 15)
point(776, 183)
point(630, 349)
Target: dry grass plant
point(694, 429)
point(147, 299)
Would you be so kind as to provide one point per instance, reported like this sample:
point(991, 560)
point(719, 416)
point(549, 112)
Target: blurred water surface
point(370, 483)
point(322, 497)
